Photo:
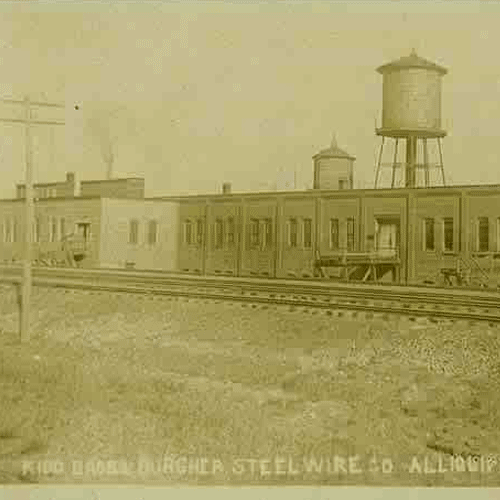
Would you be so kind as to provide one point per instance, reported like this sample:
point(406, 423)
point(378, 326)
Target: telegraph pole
point(28, 217)
point(24, 323)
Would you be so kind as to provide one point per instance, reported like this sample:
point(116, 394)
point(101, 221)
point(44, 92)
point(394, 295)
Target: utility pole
point(24, 323)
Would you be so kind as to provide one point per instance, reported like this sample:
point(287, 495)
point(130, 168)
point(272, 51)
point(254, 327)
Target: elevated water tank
point(411, 98)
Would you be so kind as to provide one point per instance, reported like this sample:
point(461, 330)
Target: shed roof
point(411, 61)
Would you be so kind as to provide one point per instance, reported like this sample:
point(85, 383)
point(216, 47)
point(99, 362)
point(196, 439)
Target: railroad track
point(433, 303)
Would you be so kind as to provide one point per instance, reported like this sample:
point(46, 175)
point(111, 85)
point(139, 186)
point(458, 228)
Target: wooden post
point(28, 213)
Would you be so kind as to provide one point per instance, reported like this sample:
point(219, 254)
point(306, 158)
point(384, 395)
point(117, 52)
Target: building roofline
point(94, 181)
point(318, 192)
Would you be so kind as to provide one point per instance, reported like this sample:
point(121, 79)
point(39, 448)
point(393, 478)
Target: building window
point(152, 232)
point(199, 231)
point(53, 229)
point(448, 234)
point(62, 229)
point(14, 235)
point(230, 231)
point(254, 233)
point(188, 232)
point(133, 234)
point(7, 230)
point(429, 240)
point(264, 236)
point(350, 234)
point(267, 232)
point(334, 234)
point(483, 241)
point(292, 232)
point(342, 184)
point(307, 233)
point(219, 233)
point(498, 234)
point(36, 230)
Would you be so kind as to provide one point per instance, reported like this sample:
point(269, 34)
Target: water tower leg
point(411, 153)
point(426, 164)
point(379, 162)
point(394, 163)
point(441, 160)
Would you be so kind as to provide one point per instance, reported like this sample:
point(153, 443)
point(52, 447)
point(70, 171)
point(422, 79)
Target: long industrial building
point(413, 230)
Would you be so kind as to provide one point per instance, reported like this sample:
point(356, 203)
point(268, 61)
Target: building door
point(387, 237)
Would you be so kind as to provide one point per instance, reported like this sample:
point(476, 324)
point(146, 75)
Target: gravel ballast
point(117, 375)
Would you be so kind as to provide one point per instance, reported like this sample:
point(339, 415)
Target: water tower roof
point(411, 61)
point(333, 152)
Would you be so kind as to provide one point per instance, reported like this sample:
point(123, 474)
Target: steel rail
point(250, 285)
point(283, 300)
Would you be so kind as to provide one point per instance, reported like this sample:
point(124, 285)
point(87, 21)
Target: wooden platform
point(361, 266)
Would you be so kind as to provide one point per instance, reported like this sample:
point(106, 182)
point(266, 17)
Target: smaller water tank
point(333, 168)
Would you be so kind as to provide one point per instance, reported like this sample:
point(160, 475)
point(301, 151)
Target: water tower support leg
point(394, 164)
point(441, 160)
point(426, 164)
point(379, 162)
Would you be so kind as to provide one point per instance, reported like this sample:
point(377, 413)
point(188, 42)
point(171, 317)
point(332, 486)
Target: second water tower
point(411, 116)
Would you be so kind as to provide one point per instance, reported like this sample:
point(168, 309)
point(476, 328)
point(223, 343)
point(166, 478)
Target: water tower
point(411, 114)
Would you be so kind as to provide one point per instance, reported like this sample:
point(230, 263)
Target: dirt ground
point(123, 388)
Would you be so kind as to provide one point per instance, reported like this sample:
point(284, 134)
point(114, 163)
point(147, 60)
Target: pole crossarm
point(32, 122)
point(35, 103)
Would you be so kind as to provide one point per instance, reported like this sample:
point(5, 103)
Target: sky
point(193, 94)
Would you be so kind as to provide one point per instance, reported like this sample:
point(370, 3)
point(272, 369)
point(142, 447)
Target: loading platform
point(360, 266)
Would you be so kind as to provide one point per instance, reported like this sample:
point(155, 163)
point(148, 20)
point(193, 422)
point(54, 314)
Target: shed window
point(133, 235)
point(350, 234)
point(448, 234)
point(265, 234)
point(334, 234)
point(429, 241)
point(188, 232)
point(307, 233)
point(254, 233)
point(498, 234)
point(230, 231)
point(219, 233)
point(268, 233)
point(152, 232)
point(483, 234)
point(62, 228)
point(7, 230)
point(36, 230)
point(53, 229)
point(292, 232)
point(199, 231)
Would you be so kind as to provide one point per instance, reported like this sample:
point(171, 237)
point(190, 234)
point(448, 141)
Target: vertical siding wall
point(409, 208)
point(191, 256)
point(427, 263)
point(296, 260)
point(223, 257)
point(257, 260)
point(116, 249)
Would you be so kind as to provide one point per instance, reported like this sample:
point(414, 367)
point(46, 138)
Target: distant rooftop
point(411, 61)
